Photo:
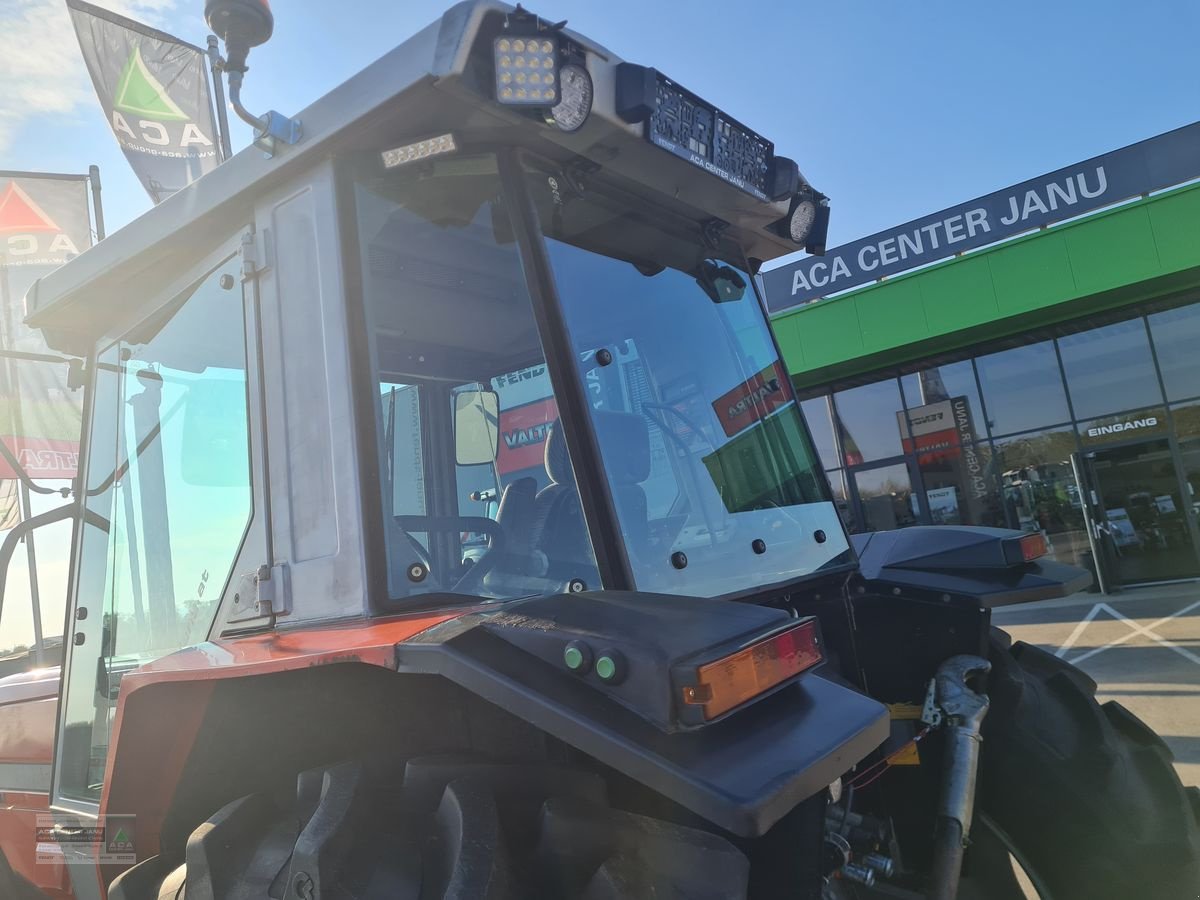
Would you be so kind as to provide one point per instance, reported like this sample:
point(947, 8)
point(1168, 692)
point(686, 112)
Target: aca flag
point(44, 221)
point(154, 90)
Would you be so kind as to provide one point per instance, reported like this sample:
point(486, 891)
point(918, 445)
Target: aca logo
point(28, 235)
point(146, 117)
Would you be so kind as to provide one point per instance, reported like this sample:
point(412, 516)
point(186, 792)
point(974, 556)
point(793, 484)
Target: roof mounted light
point(575, 103)
point(415, 152)
point(807, 221)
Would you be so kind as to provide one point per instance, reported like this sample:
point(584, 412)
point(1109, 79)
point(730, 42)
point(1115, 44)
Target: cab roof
point(422, 87)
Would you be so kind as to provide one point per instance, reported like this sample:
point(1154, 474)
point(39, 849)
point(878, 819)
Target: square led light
point(526, 70)
point(434, 146)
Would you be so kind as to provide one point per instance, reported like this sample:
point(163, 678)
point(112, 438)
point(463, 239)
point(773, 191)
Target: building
point(1049, 383)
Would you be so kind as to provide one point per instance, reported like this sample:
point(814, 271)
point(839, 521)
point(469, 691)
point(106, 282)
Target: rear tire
point(1086, 792)
point(446, 828)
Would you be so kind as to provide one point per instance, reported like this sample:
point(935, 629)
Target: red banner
point(41, 457)
point(523, 435)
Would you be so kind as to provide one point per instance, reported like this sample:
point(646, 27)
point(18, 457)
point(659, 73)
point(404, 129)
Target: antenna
point(243, 24)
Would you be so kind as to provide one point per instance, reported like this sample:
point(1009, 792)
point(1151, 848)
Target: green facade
point(1120, 256)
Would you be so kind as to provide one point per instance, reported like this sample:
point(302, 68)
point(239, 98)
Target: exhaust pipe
point(962, 711)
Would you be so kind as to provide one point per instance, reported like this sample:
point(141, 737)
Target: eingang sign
point(1148, 165)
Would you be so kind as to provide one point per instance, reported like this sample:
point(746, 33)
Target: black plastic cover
point(963, 561)
point(742, 773)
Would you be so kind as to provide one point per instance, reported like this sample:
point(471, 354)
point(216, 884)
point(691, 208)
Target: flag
point(44, 221)
point(155, 93)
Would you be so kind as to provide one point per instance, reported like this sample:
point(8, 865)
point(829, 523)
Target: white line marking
point(1136, 630)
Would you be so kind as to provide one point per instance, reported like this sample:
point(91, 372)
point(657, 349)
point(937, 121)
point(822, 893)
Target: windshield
point(477, 490)
point(712, 472)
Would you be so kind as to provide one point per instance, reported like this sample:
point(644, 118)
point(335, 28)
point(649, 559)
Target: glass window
point(960, 486)
point(682, 368)
point(168, 503)
point(447, 311)
point(886, 496)
point(1040, 491)
point(1186, 418)
point(1109, 369)
point(1176, 341)
point(820, 423)
point(1023, 388)
point(871, 418)
point(952, 383)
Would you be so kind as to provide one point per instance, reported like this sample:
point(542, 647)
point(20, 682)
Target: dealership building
point(1029, 359)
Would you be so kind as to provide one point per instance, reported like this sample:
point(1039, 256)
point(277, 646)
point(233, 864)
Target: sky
point(892, 109)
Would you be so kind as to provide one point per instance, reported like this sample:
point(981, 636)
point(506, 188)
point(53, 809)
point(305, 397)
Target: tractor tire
point(446, 829)
point(1086, 793)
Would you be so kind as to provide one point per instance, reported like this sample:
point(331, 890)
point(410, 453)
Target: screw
point(604, 356)
point(226, 282)
point(759, 546)
point(679, 559)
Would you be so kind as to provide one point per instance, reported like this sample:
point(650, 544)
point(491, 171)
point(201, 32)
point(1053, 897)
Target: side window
point(169, 501)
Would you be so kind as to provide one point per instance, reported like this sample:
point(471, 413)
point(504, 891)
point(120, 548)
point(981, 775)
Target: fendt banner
point(1150, 165)
point(44, 221)
point(155, 93)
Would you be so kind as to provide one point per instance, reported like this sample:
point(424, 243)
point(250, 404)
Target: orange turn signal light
point(731, 681)
point(1033, 546)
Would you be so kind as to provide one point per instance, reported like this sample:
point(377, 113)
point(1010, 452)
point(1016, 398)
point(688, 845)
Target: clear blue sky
point(893, 109)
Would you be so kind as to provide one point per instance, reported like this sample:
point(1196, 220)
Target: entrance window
point(817, 413)
point(1109, 369)
point(868, 417)
point(960, 486)
point(1040, 492)
point(887, 498)
point(1023, 388)
point(953, 382)
point(1176, 335)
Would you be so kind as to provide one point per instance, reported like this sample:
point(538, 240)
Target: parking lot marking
point(1136, 630)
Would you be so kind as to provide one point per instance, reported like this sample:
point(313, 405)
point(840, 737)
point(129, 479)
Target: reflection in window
point(1023, 388)
point(1109, 369)
point(1177, 344)
point(960, 486)
point(953, 383)
point(887, 498)
point(1186, 418)
point(1040, 491)
point(820, 423)
point(870, 428)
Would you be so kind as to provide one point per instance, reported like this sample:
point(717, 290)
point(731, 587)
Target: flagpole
point(218, 85)
point(97, 208)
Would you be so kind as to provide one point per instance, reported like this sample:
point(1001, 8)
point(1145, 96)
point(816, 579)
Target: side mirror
point(215, 449)
point(721, 283)
point(476, 427)
point(241, 24)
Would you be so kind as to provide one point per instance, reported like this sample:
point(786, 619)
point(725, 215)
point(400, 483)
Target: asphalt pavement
point(1141, 646)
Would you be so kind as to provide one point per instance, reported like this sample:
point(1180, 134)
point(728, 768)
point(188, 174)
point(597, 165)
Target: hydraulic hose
point(963, 711)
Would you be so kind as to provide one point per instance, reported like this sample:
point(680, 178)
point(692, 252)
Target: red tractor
point(328, 638)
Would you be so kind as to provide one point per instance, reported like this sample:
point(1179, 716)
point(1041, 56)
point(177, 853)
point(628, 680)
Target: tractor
point(446, 526)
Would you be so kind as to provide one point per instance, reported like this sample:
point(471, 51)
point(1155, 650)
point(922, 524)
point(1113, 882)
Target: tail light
point(722, 684)
point(1033, 546)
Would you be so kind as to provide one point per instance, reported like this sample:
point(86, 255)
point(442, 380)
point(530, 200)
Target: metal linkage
point(963, 711)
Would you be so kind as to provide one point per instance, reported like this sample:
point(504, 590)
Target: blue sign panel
point(1149, 165)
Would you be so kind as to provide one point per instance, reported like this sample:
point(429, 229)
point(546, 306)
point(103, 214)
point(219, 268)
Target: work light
point(409, 153)
point(575, 103)
point(527, 69)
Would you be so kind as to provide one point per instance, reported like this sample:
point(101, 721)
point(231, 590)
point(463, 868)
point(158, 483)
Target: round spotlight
point(801, 222)
point(575, 89)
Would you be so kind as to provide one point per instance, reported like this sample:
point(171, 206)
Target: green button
point(606, 668)
point(573, 657)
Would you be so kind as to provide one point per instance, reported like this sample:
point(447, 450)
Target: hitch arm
point(962, 711)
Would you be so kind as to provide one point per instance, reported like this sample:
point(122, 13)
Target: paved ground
point(1143, 649)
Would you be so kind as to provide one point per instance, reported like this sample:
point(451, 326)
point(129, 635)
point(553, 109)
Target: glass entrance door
point(1145, 513)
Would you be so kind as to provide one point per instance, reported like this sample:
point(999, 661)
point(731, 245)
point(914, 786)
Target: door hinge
point(255, 251)
point(273, 594)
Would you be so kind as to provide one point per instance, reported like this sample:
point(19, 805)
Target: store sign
point(1119, 427)
point(1149, 165)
